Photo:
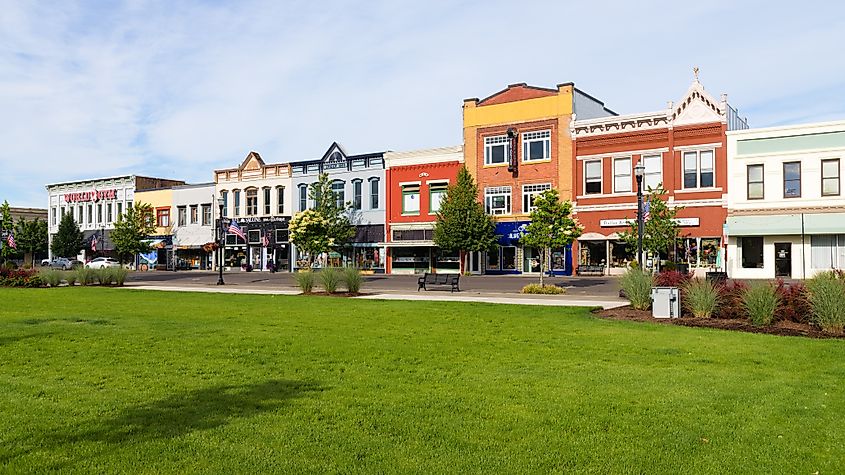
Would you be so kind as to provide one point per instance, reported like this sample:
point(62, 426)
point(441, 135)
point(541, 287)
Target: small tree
point(552, 226)
point(309, 231)
point(340, 229)
point(31, 238)
point(68, 239)
point(6, 226)
point(660, 231)
point(131, 229)
point(462, 225)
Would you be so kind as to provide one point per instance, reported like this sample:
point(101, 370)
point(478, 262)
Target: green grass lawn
point(112, 380)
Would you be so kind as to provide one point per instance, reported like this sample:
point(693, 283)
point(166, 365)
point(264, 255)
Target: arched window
point(357, 191)
point(280, 200)
point(374, 192)
point(267, 200)
point(236, 202)
point(338, 192)
point(251, 201)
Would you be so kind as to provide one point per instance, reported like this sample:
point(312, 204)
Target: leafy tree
point(131, 229)
point(340, 229)
point(68, 239)
point(462, 225)
point(6, 226)
point(31, 238)
point(552, 226)
point(309, 231)
point(660, 231)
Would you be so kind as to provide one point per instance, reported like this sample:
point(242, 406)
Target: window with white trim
point(830, 177)
point(206, 215)
point(194, 215)
point(254, 236)
point(622, 175)
point(411, 199)
point(357, 191)
point(497, 150)
point(224, 195)
point(236, 202)
point(653, 173)
point(531, 191)
point(592, 177)
point(338, 188)
point(280, 200)
point(252, 201)
point(755, 182)
point(497, 200)
point(181, 216)
point(537, 146)
point(303, 197)
point(374, 199)
point(267, 200)
point(436, 194)
point(699, 169)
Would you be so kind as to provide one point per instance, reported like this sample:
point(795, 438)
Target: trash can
point(665, 302)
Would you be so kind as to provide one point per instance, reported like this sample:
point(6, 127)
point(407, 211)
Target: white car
point(102, 262)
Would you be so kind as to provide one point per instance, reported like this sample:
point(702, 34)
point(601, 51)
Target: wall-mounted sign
point(423, 174)
point(95, 195)
point(612, 223)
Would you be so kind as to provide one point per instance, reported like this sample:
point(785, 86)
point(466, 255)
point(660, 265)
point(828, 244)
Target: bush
point(119, 275)
point(794, 302)
point(701, 298)
point(85, 276)
point(104, 275)
point(761, 301)
point(330, 278)
point(731, 297)
point(353, 279)
point(20, 278)
point(637, 284)
point(51, 277)
point(827, 300)
point(547, 289)
point(71, 277)
point(672, 278)
point(305, 281)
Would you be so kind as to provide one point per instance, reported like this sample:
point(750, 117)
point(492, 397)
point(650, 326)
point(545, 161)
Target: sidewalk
point(510, 299)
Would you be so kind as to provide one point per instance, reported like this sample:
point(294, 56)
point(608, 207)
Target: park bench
point(429, 279)
point(586, 269)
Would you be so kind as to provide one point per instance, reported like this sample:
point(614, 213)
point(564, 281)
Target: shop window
point(698, 169)
point(282, 235)
point(752, 252)
point(413, 234)
point(252, 202)
point(357, 191)
point(447, 260)
point(206, 215)
point(236, 202)
point(181, 216)
point(531, 260)
point(531, 191)
point(496, 150)
point(622, 175)
point(830, 177)
point(367, 258)
point(163, 217)
point(374, 199)
point(755, 182)
point(280, 200)
point(493, 260)
point(268, 202)
point(224, 195)
point(536, 146)
point(592, 177)
point(497, 200)
point(303, 197)
point(436, 195)
point(653, 173)
point(592, 253)
point(411, 199)
point(827, 251)
point(708, 251)
point(508, 258)
point(254, 236)
point(232, 239)
point(194, 214)
point(792, 180)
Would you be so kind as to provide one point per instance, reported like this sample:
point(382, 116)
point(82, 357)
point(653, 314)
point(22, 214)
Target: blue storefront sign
point(509, 233)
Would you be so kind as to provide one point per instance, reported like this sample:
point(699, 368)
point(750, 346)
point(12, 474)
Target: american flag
point(11, 241)
point(236, 230)
point(265, 240)
point(646, 211)
point(93, 243)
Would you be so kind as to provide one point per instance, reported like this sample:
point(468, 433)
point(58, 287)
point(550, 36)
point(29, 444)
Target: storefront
point(266, 247)
point(510, 257)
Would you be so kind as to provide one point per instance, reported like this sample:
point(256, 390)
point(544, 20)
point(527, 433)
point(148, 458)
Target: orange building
point(683, 150)
point(517, 144)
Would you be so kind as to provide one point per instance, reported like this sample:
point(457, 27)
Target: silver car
point(61, 263)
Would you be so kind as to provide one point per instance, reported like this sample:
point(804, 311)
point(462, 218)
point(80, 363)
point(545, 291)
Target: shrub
point(330, 278)
point(71, 277)
point(827, 300)
point(672, 278)
point(51, 277)
point(104, 275)
point(305, 281)
point(731, 297)
point(119, 275)
point(353, 279)
point(761, 301)
point(637, 284)
point(547, 289)
point(85, 276)
point(701, 298)
point(20, 278)
point(794, 302)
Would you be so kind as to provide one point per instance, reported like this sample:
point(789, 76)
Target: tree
point(551, 226)
point(68, 239)
point(31, 238)
point(660, 231)
point(339, 229)
point(309, 231)
point(131, 230)
point(6, 226)
point(462, 225)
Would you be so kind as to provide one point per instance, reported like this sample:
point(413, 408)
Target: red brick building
point(415, 183)
point(683, 149)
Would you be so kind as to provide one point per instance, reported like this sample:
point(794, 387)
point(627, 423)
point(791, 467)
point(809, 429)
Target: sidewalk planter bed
point(548, 289)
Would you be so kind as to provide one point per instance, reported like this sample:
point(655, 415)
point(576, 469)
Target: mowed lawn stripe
point(113, 380)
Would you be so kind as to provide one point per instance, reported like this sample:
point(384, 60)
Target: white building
point(193, 227)
point(786, 212)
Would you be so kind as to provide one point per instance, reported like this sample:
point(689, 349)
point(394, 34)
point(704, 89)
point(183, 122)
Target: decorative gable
point(335, 157)
point(252, 162)
point(697, 107)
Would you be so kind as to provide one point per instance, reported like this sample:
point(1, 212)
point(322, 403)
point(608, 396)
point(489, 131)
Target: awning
point(592, 237)
point(408, 244)
point(824, 223)
point(764, 225)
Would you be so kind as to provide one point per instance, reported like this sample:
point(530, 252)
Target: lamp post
point(639, 170)
point(221, 242)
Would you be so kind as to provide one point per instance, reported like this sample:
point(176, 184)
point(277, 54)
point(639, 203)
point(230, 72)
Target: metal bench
point(587, 269)
point(429, 279)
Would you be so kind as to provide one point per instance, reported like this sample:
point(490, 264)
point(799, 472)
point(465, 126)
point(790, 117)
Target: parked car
point(102, 262)
point(45, 262)
point(61, 263)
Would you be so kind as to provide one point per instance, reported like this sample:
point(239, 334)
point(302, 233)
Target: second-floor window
point(792, 180)
point(252, 202)
point(357, 190)
point(374, 200)
point(206, 215)
point(529, 192)
point(303, 197)
point(194, 214)
point(592, 177)
point(181, 216)
point(622, 175)
point(338, 192)
point(653, 173)
point(163, 217)
point(236, 202)
point(224, 195)
point(267, 201)
point(537, 146)
point(411, 199)
point(699, 169)
point(108, 213)
point(497, 200)
point(496, 150)
point(830, 177)
point(436, 195)
point(280, 200)
point(755, 182)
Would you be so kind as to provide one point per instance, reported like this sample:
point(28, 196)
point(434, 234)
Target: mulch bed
point(783, 328)
point(338, 294)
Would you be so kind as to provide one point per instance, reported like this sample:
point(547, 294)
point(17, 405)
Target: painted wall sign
point(612, 223)
point(95, 195)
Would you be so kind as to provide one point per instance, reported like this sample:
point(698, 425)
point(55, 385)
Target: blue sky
point(176, 89)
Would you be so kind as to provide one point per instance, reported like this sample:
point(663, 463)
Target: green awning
point(824, 223)
point(785, 224)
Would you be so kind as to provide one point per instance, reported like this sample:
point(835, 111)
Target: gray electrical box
point(665, 302)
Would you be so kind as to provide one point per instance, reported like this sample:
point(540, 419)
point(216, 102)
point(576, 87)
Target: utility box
point(665, 302)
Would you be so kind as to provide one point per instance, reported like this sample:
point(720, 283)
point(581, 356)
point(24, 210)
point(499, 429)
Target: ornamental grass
point(761, 301)
point(701, 298)
point(637, 284)
point(827, 301)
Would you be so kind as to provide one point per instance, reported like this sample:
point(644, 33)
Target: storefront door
point(475, 262)
point(783, 259)
point(530, 260)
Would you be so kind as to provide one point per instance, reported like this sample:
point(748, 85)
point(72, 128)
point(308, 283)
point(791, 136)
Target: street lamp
point(639, 170)
point(221, 240)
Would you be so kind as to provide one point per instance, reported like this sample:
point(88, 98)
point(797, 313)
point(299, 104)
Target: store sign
point(259, 219)
point(613, 223)
point(95, 195)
